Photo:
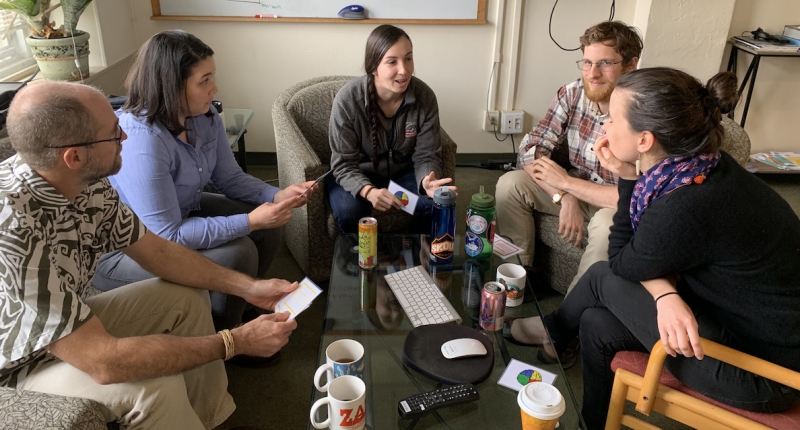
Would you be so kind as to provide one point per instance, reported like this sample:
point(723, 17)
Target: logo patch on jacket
point(411, 129)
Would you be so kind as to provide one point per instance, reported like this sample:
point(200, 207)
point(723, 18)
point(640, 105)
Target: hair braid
point(372, 111)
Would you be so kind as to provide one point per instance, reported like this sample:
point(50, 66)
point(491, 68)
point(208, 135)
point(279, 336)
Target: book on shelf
point(763, 45)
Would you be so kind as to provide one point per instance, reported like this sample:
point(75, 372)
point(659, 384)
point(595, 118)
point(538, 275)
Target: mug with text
point(346, 403)
point(343, 357)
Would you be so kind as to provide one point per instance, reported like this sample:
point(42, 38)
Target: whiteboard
point(325, 9)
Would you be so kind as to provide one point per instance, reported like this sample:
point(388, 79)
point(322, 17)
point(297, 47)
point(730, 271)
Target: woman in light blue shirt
point(176, 145)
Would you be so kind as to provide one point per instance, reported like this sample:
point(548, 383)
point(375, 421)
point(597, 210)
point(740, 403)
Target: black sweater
point(735, 244)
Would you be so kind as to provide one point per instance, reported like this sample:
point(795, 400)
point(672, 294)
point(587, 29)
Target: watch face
point(556, 197)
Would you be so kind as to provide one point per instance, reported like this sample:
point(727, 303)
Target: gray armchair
point(301, 115)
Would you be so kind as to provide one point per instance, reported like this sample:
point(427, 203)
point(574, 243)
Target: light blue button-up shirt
point(162, 179)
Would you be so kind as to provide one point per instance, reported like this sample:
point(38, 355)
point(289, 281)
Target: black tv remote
point(420, 404)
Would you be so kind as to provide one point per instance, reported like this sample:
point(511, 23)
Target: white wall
point(773, 121)
point(258, 60)
point(686, 34)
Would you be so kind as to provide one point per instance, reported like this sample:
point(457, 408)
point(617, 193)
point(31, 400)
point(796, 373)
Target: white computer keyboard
point(422, 300)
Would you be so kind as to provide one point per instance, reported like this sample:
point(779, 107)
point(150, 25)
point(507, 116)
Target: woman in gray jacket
point(384, 126)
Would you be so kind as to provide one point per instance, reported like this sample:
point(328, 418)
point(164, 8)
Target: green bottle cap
point(483, 200)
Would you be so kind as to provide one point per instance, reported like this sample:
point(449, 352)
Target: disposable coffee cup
point(512, 277)
point(541, 405)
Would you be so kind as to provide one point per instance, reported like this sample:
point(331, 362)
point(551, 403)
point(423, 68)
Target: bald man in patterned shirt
point(147, 351)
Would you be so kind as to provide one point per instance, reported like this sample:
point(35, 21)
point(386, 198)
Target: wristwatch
point(558, 196)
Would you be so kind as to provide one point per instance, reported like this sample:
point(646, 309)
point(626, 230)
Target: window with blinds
point(15, 55)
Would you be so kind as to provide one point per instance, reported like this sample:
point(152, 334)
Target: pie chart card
point(519, 374)
point(406, 197)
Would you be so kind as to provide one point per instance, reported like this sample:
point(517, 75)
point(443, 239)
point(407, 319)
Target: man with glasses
point(587, 192)
point(147, 352)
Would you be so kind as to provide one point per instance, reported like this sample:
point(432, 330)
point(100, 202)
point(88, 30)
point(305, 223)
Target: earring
point(639, 165)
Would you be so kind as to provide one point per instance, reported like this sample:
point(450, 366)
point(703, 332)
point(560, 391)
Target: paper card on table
point(519, 374)
point(408, 198)
point(503, 248)
point(299, 299)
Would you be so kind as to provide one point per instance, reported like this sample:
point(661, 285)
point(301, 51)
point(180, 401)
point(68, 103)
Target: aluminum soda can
point(367, 242)
point(493, 306)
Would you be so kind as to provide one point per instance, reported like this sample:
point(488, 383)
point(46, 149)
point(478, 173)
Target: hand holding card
point(298, 300)
point(316, 182)
point(407, 198)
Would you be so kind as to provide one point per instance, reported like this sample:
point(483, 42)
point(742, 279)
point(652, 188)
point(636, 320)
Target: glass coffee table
point(361, 306)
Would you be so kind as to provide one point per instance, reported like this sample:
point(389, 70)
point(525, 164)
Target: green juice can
point(481, 223)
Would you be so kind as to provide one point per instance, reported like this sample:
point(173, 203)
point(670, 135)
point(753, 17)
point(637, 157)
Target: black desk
point(752, 70)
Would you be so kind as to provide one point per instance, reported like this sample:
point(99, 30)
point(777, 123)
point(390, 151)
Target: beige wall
point(773, 121)
point(256, 61)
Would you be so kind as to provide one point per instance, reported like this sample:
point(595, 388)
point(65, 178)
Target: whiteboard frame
point(480, 18)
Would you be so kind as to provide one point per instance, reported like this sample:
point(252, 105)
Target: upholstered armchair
point(559, 260)
point(301, 115)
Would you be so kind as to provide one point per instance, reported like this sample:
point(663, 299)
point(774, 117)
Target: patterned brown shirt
point(49, 248)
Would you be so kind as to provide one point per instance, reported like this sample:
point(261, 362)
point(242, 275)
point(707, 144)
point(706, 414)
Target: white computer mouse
point(465, 347)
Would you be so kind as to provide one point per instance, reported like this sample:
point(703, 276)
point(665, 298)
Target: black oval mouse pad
point(422, 351)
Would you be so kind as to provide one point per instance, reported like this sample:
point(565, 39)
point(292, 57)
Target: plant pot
point(56, 57)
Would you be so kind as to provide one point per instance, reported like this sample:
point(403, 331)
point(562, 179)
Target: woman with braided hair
point(699, 248)
point(384, 126)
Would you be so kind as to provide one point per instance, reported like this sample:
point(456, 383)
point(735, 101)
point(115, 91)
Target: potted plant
point(62, 53)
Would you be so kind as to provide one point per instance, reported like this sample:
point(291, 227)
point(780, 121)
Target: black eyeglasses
point(77, 145)
point(604, 65)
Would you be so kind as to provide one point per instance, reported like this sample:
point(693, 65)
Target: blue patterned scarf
point(666, 177)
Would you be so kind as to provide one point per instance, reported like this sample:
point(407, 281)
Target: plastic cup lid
point(542, 401)
point(444, 196)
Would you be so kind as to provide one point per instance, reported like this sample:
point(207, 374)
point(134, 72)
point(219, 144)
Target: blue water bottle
point(443, 226)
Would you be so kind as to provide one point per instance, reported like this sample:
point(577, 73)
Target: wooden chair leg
point(616, 406)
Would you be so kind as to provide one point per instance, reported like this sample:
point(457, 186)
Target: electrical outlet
point(511, 122)
point(491, 120)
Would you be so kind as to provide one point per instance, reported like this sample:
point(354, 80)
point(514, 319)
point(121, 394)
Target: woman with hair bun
point(384, 126)
point(699, 248)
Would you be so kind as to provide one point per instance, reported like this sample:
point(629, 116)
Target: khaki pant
point(195, 399)
point(518, 196)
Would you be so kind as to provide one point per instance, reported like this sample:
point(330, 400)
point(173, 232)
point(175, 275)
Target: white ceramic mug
point(512, 276)
point(347, 405)
point(342, 357)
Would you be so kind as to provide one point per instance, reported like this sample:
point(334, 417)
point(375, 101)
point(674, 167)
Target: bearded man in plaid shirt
point(587, 192)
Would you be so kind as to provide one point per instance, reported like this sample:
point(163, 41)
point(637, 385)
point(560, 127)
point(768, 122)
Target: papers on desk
point(763, 45)
point(300, 299)
point(779, 160)
point(518, 374)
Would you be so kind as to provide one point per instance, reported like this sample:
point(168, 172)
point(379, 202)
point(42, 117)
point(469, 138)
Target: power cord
point(75, 50)
point(611, 12)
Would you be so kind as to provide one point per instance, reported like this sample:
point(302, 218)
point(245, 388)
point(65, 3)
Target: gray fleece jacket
point(415, 128)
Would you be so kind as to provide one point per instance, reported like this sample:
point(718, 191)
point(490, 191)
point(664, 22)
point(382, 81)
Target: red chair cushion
point(636, 362)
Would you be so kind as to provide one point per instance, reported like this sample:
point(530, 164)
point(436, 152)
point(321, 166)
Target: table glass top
point(231, 129)
point(361, 306)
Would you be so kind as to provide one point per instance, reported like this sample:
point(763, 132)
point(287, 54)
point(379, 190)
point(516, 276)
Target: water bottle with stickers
point(481, 225)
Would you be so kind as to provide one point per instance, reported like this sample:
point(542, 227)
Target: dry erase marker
point(266, 16)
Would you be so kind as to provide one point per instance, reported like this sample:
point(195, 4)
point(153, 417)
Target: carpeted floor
point(278, 397)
